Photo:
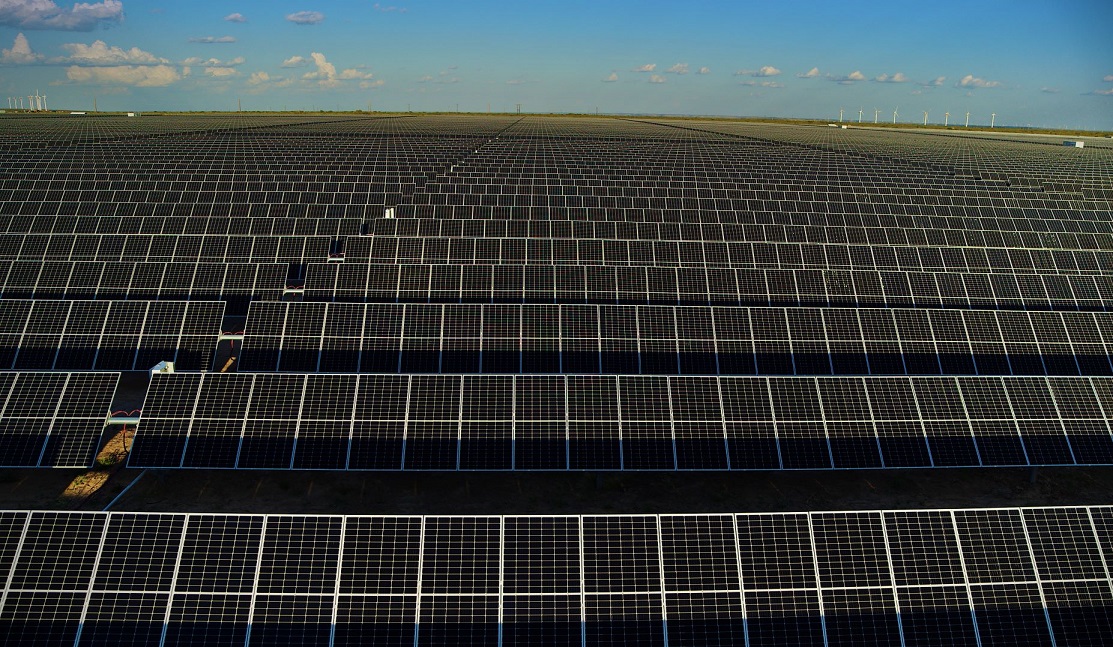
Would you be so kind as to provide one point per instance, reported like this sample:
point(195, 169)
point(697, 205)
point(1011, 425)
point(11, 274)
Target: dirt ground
point(559, 493)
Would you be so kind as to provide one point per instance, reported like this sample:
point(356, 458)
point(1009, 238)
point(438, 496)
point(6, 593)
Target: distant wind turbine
point(859, 114)
point(840, 115)
point(925, 117)
point(946, 118)
point(875, 113)
point(895, 114)
point(967, 119)
point(992, 118)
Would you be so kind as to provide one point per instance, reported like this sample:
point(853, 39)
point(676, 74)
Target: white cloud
point(214, 62)
point(220, 72)
point(612, 78)
point(1104, 93)
point(515, 82)
point(1108, 78)
point(235, 17)
point(1047, 90)
point(679, 68)
point(810, 74)
point(305, 17)
point(392, 9)
point(648, 67)
point(209, 40)
point(19, 53)
point(141, 76)
point(261, 81)
point(425, 79)
point(849, 79)
point(766, 70)
point(352, 74)
point(100, 53)
point(366, 85)
point(898, 77)
point(656, 78)
point(325, 71)
point(704, 70)
point(295, 61)
point(763, 84)
point(934, 83)
point(971, 81)
point(45, 14)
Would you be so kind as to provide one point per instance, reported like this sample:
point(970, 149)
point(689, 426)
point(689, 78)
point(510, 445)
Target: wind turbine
point(875, 113)
point(895, 115)
point(44, 103)
point(992, 118)
point(840, 115)
point(859, 114)
point(967, 119)
point(946, 118)
point(925, 117)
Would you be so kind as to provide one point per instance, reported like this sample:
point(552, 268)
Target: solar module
point(740, 254)
point(609, 339)
point(233, 283)
point(53, 419)
point(570, 284)
point(164, 248)
point(922, 577)
point(614, 422)
point(107, 335)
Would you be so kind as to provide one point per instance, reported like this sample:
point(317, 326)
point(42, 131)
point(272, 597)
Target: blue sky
point(1040, 63)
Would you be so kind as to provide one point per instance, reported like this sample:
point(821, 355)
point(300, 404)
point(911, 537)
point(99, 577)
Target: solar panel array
point(611, 422)
point(434, 338)
point(53, 419)
point(912, 577)
point(108, 335)
point(481, 283)
point(501, 293)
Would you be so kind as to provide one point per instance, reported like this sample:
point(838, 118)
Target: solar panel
point(53, 419)
point(658, 253)
point(610, 422)
point(484, 283)
point(917, 576)
point(108, 335)
point(309, 337)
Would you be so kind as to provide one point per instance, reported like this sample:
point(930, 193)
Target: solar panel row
point(164, 248)
point(571, 284)
point(570, 422)
point(698, 253)
point(933, 577)
point(53, 419)
point(181, 225)
point(107, 335)
point(420, 338)
point(233, 283)
point(785, 230)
